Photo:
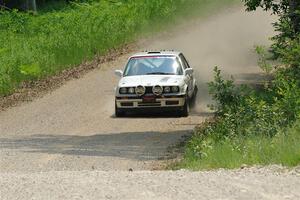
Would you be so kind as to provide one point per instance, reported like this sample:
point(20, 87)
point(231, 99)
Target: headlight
point(123, 90)
point(167, 89)
point(131, 90)
point(157, 90)
point(175, 89)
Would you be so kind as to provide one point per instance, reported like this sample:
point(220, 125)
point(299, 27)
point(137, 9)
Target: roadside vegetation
point(255, 125)
point(34, 45)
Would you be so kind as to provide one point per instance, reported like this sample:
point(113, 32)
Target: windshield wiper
point(160, 73)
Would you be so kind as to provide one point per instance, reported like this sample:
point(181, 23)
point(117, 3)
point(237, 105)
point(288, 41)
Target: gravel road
point(264, 183)
point(69, 145)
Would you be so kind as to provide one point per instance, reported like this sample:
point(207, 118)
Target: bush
point(282, 149)
point(250, 127)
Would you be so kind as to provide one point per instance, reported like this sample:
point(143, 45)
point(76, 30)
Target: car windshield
point(153, 65)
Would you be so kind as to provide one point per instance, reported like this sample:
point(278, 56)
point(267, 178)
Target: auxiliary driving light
point(157, 90)
point(140, 90)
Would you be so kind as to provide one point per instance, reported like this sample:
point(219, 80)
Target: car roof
point(157, 53)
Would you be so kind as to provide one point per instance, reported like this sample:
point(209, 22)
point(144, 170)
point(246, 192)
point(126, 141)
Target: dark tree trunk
point(295, 15)
point(31, 5)
point(19, 4)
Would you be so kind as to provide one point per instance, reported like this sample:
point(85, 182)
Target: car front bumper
point(150, 102)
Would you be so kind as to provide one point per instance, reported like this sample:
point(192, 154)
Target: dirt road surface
point(70, 139)
point(216, 185)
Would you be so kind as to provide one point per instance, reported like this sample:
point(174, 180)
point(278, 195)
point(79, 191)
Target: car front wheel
point(194, 98)
point(119, 112)
point(185, 109)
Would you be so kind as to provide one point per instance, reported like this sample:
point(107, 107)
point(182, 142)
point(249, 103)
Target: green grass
point(35, 46)
point(282, 149)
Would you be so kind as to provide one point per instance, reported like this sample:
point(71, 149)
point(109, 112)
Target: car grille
point(148, 90)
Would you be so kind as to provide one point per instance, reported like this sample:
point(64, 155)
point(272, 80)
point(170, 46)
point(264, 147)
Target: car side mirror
point(119, 73)
point(189, 71)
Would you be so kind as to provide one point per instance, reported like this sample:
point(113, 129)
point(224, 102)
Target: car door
point(190, 78)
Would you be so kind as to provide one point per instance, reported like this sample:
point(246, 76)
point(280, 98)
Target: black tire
point(119, 112)
point(194, 98)
point(185, 109)
point(195, 91)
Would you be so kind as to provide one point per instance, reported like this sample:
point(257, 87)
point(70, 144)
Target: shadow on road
point(153, 115)
point(149, 115)
point(141, 146)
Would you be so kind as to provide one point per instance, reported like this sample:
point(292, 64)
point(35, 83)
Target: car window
point(184, 61)
point(153, 65)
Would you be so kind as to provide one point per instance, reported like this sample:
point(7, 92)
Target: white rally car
point(155, 81)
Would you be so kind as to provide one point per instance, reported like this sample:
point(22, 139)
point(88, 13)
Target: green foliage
point(263, 59)
point(242, 111)
point(283, 149)
point(39, 45)
point(223, 92)
point(31, 71)
point(289, 54)
point(274, 5)
point(251, 126)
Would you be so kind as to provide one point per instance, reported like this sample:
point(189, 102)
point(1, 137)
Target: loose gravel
point(253, 183)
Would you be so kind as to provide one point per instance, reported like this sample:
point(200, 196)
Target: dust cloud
point(227, 42)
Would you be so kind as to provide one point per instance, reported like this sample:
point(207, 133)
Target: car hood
point(151, 80)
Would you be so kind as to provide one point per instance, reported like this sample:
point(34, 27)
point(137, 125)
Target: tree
point(32, 4)
point(19, 4)
point(295, 14)
point(288, 10)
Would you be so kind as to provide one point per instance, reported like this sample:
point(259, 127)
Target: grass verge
point(33, 47)
point(282, 149)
